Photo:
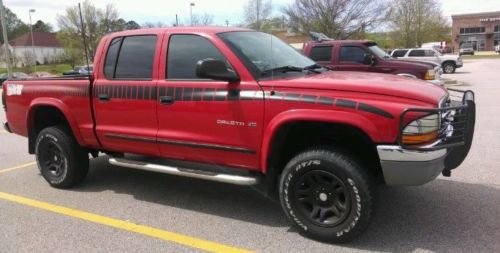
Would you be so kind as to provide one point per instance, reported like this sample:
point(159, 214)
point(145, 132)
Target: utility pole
point(176, 21)
point(5, 41)
point(191, 12)
point(32, 39)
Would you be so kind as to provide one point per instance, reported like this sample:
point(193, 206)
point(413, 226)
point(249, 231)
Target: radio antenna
point(84, 40)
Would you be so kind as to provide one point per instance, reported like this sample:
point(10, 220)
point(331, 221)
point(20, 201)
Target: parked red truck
point(366, 56)
point(239, 106)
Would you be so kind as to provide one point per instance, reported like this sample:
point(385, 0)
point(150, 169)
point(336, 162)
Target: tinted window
point(109, 65)
point(321, 53)
point(136, 57)
point(184, 52)
point(417, 53)
point(352, 54)
point(429, 53)
point(399, 53)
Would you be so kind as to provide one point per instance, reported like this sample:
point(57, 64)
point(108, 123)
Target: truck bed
point(69, 94)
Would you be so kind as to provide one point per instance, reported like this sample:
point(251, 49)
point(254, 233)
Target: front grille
point(456, 121)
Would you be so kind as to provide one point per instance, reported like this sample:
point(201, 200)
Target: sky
point(165, 10)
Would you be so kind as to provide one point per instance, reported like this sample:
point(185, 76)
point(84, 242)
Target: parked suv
point(466, 49)
point(448, 62)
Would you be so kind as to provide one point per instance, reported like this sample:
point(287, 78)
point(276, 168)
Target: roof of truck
point(182, 29)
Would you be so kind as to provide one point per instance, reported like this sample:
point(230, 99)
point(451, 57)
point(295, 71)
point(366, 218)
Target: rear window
point(417, 53)
point(399, 53)
point(130, 57)
point(321, 53)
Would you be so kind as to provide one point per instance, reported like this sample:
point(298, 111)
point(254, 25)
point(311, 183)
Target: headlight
point(422, 131)
point(430, 74)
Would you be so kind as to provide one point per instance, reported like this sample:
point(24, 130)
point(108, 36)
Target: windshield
point(379, 52)
point(264, 54)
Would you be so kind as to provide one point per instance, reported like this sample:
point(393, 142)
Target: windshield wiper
point(283, 69)
point(289, 68)
point(313, 68)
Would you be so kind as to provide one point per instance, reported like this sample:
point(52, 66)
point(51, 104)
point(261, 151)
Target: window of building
point(184, 52)
point(352, 54)
point(497, 29)
point(321, 53)
point(399, 53)
point(472, 30)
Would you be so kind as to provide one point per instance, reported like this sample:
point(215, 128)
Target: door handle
point(166, 100)
point(103, 97)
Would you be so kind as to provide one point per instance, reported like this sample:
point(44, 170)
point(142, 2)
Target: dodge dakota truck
point(367, 56)
point(238, 106)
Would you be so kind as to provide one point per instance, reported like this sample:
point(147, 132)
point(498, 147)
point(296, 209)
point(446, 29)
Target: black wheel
point(326, 195)
point(62, 162)
point(449, 68)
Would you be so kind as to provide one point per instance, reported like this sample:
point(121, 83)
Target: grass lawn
point(473, 57)
point(57, 69)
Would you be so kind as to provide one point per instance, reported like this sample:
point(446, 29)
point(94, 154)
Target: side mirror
point(369, 59)
point(215, 69)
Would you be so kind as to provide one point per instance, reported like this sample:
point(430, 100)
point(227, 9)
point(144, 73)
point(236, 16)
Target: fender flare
point(339, 117)
point(58, 104)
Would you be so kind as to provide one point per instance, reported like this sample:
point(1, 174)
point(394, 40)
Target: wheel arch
point(311, 124)
point(45, 112)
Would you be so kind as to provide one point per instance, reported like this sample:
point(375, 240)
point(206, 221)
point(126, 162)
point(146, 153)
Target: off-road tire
point(61, 160)
point(341, 180)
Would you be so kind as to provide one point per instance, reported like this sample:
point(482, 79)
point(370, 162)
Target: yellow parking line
point(17, 167)
point(124, 225)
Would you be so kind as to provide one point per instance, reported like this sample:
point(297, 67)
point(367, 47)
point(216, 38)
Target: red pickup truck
point(366, 56)
point(242, 107)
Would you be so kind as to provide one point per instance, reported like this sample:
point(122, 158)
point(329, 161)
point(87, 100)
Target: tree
point(41, 26)
point(339, 19)
point(97, 22)
point(256, 12)
point(417, 21)
point(15, 26)
point(132, 25)
point(203, 20)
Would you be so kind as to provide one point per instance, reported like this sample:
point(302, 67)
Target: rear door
point(125, 90)
point(206, 120)
point(322, 54)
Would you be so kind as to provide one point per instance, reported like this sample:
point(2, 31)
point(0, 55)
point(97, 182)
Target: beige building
point(481, 30)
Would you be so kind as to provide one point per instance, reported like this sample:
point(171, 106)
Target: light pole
point(5, 40)
point(191, 12)
point(32, 39)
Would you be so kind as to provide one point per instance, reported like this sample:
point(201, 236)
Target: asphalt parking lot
point(118, 209)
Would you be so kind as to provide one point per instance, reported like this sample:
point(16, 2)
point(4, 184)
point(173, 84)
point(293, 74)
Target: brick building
point(482, 30)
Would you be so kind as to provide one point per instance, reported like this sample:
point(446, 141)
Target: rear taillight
point(4, 100)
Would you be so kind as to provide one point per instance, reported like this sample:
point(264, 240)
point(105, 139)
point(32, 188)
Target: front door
point(205, 120)
point(351, 58)
point(125, 96)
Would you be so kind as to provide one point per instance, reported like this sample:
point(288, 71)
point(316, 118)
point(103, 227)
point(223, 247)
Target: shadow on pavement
point(441, 216)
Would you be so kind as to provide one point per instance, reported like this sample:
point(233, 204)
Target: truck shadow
point(441, 216)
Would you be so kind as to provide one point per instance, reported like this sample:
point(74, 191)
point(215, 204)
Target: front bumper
point(438, 82)
point(410, 165)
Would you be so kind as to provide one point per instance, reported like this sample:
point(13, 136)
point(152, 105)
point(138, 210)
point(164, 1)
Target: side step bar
point(206, 175)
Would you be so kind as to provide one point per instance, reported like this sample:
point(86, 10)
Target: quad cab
point(222, 104)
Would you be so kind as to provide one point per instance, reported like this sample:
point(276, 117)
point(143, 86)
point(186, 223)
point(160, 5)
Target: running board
point(206, 175)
